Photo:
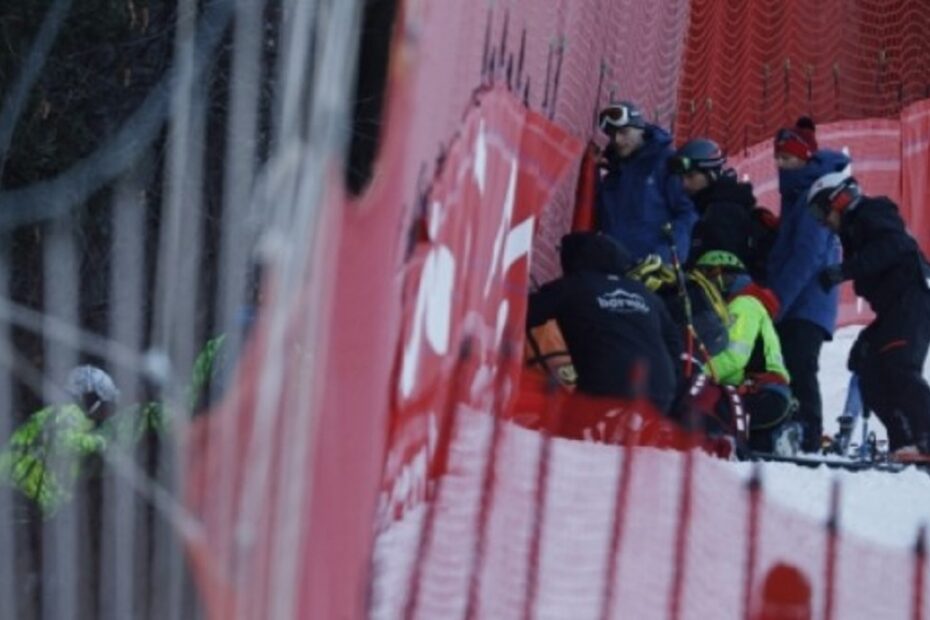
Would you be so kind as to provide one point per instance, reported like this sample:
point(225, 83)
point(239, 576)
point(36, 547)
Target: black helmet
point(699, 154)
point(621, 114)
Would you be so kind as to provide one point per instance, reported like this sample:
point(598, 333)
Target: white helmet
point(89, 383)
point(834, 191)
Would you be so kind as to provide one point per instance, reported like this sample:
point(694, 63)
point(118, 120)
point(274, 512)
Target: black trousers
point(768, 411)
point(801, 341)
point(711, 408)
point(889, 357)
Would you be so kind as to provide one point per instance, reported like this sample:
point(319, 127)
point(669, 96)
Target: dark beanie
point(593, 251)
point(800, 140)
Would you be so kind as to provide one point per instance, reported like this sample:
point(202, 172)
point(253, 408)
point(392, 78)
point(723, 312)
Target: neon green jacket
point(43, 457)
point(749, 320)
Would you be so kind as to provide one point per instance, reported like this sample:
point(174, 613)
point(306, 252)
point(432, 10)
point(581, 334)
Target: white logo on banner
point(432, 314)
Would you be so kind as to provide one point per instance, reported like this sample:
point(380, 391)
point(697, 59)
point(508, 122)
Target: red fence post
point(446, 431)
point(619, 518)
point(681, 535)
point(489, 477)
point(753, 491)
point(550, 425)
point(920, 555)
point(832, 527)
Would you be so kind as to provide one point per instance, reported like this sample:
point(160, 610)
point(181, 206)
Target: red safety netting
point(649, 533)
point(752, 66)
point(528, 525)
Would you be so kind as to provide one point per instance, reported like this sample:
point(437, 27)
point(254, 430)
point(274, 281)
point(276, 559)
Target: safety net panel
point(487, 517)
point(172, 185)
point(751, 67)
point(564, 59)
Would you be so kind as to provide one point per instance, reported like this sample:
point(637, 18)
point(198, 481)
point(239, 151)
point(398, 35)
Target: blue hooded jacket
point(638, 196)
point(803, 247)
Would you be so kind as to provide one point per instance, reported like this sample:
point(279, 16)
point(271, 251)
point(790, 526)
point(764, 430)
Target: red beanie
point(800, 140)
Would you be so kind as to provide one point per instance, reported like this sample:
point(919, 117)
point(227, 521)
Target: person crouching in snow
point(889, 271)
point(612, 324)
point(752, 363)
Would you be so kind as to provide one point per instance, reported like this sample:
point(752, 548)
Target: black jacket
point(879, 256)
point(728, 215)
point(610, 322)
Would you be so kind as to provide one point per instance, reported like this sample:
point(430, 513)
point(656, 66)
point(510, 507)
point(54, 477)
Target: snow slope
point(885, 508)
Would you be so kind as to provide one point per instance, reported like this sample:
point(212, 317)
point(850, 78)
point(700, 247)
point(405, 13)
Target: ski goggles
point(615, 117)
point(682, 164)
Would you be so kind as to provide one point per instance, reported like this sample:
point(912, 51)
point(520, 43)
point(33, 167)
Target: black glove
point(610, 157)
point(830, 277)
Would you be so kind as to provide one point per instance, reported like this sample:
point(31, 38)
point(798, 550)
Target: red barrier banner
point(465, 285)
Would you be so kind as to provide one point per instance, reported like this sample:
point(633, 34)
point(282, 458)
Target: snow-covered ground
point(878, 506)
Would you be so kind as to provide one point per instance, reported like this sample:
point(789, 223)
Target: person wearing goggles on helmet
point(889, 271)
point(637, 196)
point(729, 220)
point(801, 249)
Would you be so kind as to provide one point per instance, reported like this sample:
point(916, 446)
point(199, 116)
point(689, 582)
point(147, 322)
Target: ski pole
point(683, 293)
point(691, 332)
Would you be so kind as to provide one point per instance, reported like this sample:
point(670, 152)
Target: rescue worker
point(44, 455)
point(729, 218)
point(611, 323)
point(889, 271)
point(752, 363)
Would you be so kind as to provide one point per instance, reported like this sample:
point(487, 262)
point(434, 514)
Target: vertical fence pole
point(681, 535)
point(621, 500)
point(550, 426)
point(753, 492)
point(486, 50)
point(920, 569)
point(557, 76)
point(832, 527)
point(489, 478)
point(435, 476)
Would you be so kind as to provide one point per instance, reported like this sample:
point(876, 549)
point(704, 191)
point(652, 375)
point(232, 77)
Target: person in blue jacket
point(637, 196)
point(803, 248)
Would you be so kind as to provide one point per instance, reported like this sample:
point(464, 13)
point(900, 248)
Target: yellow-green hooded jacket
point(44, 455)
point(754, 350)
